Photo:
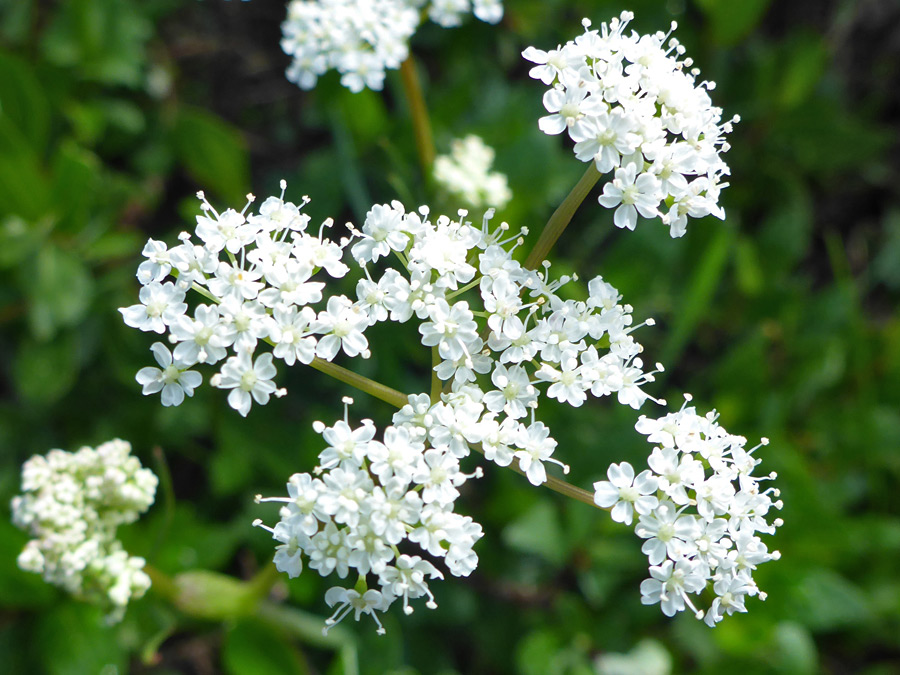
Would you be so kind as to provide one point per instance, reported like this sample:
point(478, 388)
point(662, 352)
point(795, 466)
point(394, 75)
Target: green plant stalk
point(561, 217)
point(419, 113)
point(371, 387)
point(437, 387)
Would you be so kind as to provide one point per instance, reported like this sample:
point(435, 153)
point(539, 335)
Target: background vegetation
point(114, 112)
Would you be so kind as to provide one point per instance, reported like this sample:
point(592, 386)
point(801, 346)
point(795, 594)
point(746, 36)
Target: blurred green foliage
point(784, 318)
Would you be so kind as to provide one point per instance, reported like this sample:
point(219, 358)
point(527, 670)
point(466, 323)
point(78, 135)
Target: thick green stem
point(371, 387)
point(419, 113)
point(561, 217)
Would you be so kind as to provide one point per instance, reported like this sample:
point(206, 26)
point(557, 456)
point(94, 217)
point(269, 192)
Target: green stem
point(561, 217)
point(371, 387)
point(419, 112)
point(168, 499)
point(436, 385)
point(553, 483)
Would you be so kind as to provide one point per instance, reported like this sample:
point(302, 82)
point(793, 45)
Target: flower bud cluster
point(361, 38)
point(369, 501)
point(699, 509)
point(465, 174)
point(633, 106)
point(72, 504)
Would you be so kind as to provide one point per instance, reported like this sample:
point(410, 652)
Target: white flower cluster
point(73, 502)
point(371, 498)
point(530, 336)
point(631, 106)
point(361, 38)
point(699, 508)
point(256, 270)
point(466, 174)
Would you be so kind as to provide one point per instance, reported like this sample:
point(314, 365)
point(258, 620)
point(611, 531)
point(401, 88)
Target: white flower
point(248, 380)
point(670, 583)
point(625, 493)
point(536, 448)
point(161, 305)
point(349, 600)
point(202, 339)
point(342, 325)
point(290, 332)
point(636, 194)
point(382, 232)
point(172, 377)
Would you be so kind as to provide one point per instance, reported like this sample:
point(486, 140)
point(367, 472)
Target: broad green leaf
point(730, 21)
point(252, 648)
point(24, 191)
point(77, 174)
point(214, 153)
point(23, 102)
point(76, 640)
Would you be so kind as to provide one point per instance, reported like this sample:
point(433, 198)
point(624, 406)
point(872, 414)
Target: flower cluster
point(699, 509)
point(73, 502)
point(256, 270)
point(466, 174)
point(632, 107)
point(374, 498)
point(361, 38)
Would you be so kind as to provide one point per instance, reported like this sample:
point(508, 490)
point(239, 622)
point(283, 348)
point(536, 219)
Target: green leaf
point(23, 102)
point(23, 187)
point(19, 239)
point(252, 648)
point(103, 39)
point(824, 600)
point(796, 650)
point(74, 639)
point(730, 21)
point(699, 293)
point(44, 372)
point(806, 64)
point(214, 153)
point(76, 175)
point(538, 531)
point(60, 289)
point(19, 588)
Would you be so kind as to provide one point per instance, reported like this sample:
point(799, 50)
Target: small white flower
point(625, 493)
point(248, 380)
point(172, 377)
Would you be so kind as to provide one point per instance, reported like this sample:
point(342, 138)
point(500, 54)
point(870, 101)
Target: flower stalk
point(419, 111)
point(562, 217)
